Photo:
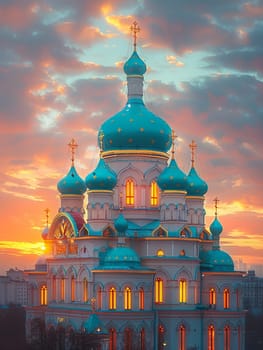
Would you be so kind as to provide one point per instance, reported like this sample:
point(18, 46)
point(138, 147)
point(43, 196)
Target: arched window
point(129, 192)
point(54, 288)
point(211, 337)
point(182, 291)
point(160, 252)
point(227, 338)
point(73, 288)
point(99, 298)
point(112, 299)
point(128, 339)
point(154, 193)
point(62, 289)
point(142, 339)
point(85, 290)
point(127, 298)
point(226, 298)
point(212, 296)
point(182, 337)
point(141, 298)
point(113, 339)
point(43, 295)
point(158, 290)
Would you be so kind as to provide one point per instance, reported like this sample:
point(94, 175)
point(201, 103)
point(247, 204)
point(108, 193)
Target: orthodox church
point(142, 271)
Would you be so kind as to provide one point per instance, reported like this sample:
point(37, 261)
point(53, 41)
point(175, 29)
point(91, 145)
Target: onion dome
point(196, 186)
point(216, 261)
point(102, 178)
point(121, 224)
point(93, 325)
point(216, 227)
point(121, 257)
point(134, 65)
point(172, 178)
point(41, 263)
point(72, 183)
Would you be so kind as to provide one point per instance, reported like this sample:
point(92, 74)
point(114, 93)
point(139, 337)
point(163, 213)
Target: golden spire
point(73, 145)
point(193, 147)
point(216, 200)
point(47, 211)
point(101, 137)
point(135, 29)
point(173, 141)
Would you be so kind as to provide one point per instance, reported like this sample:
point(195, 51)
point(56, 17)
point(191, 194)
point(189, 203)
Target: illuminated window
point(113, 339)
point(99, 298)
point(226, 298)
point(142, 339)
point(54, 288)
point(127, 298)
point(182, 338)
point(130, 192)
point(227, 338)
point(160, 252)
point(212, 296)
point(43, 295)
point(112, 299)
point(141, 299)
point(85, 290)
point(62, 289)
point(182, 291)
point(154, 193)
point(72, 287)
point(128, 339)
point(211, 337)
point(158, 290)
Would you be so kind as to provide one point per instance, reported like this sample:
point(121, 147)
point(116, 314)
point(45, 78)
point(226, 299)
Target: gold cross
point(216, 200)
point(47, 211)
point(135, 29)
point(193, 147)
point(73, 145)
point(173, 141)
point(101, 137)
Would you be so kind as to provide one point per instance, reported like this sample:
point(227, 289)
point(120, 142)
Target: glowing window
point(211, 337)
point(158, 290)
point(85, 290)
point(43, 295)
point(212, 296)
point(54, 288)
point(227, 338)
point(141, 299)
point(113, 339)
point(62, 289)
point(154, 193)
point(182, 291)
point(73, 288)
point(130, 192)
point(112, 299)
point(226, 298)
point(99, 298)
point(160, 252)
point(182, 338)
point(127, 298)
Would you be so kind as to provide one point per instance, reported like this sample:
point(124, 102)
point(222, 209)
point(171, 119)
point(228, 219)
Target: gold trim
point(234, 273)
point(174, 191)
point(125, 271)
point(144, 153)
point(195, 197)
point(71, 195)
point(100, 191)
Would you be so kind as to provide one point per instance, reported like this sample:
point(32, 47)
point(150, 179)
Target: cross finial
point(173, 143)
point(72, 145)
point(47, 211)
point(193, 147)
point(101, 137)
point(135, 29)
point(216, 200)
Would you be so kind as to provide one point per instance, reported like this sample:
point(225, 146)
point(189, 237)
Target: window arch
point(128, 339)
point(158, 290)
point(182, 291)
point(182, 337)
point(113, 339)
point(85, 290)
point(141, 298)
point(73, 288)
point(227, 338)
point(129, 190)
point(62, 289)
point(43, 295)
point(211, 337)
point(226, 298)
point(154, 193)
point(142, 339)
point(112, 299)
point(127, 298)
point(160, 252)
point(212, 296)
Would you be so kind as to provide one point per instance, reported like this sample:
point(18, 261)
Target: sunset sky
point(61, 76)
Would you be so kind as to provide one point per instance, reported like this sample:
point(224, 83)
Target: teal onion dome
point(134, 65)
point(216, 261)
point(72, 183)
point(172, 178)
point(196, 186)
point(102, 178)
point(121, 224)
point(216, 227)
point(121, 257)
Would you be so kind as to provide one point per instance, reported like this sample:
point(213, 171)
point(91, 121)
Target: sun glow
point(22, 248)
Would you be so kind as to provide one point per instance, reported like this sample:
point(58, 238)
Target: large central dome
point(135, 127)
